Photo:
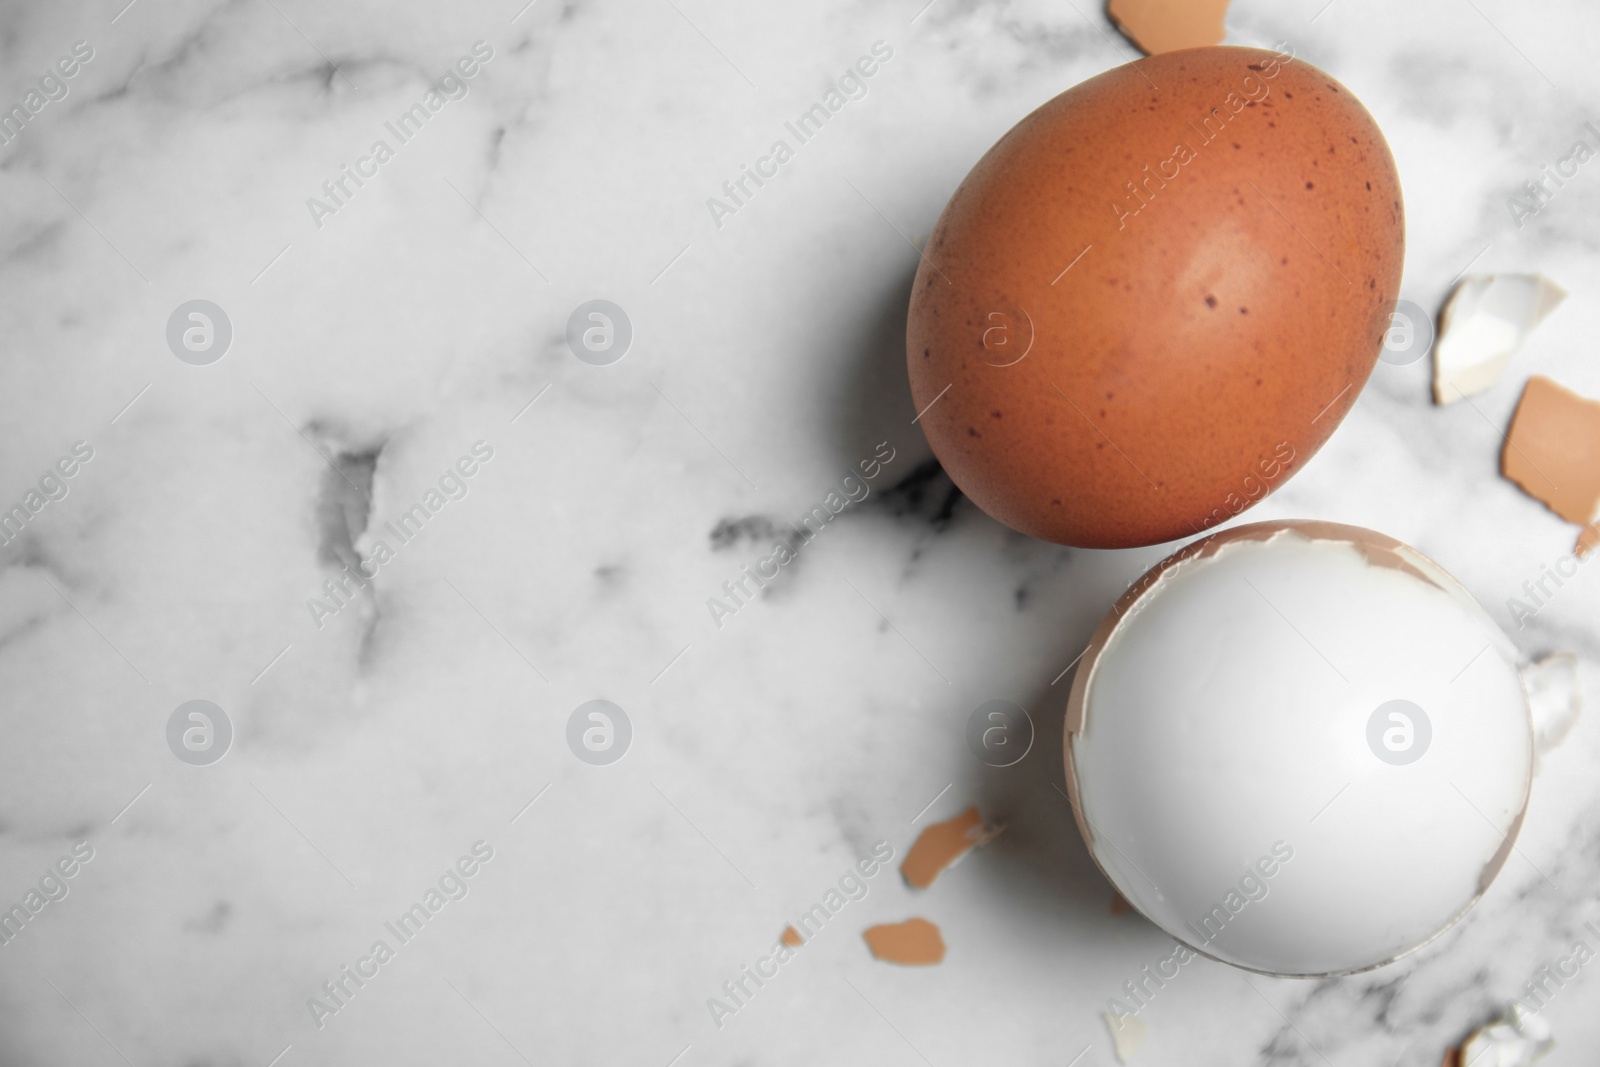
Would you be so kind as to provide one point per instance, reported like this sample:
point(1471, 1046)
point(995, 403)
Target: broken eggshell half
point(1300, 748)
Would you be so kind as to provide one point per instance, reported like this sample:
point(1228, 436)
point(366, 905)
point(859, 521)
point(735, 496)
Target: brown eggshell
point(1156, 296)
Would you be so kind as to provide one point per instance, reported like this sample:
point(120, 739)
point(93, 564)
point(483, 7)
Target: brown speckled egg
point(1154, 299)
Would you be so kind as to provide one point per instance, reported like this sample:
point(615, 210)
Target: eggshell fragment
point(1127, 1034)
point(1484, 322)
point(1267, 727)
point(1588, 540)
point(1518, 1039)
point(1153, 300)
point(1168, 25)
point(942, 844)
point(1553, 452)
point(1552, 685)
point(913, 943)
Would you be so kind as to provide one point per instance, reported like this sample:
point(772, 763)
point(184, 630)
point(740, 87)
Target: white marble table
point(376, 338)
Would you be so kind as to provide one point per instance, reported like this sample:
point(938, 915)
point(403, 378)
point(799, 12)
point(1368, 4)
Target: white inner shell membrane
point(1229, 712)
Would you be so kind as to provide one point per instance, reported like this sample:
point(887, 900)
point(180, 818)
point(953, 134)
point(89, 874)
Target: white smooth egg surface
point(1243, 774)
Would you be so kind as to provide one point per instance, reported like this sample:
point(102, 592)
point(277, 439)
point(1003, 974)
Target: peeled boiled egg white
point(1156, 296)
point(1300, 748)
